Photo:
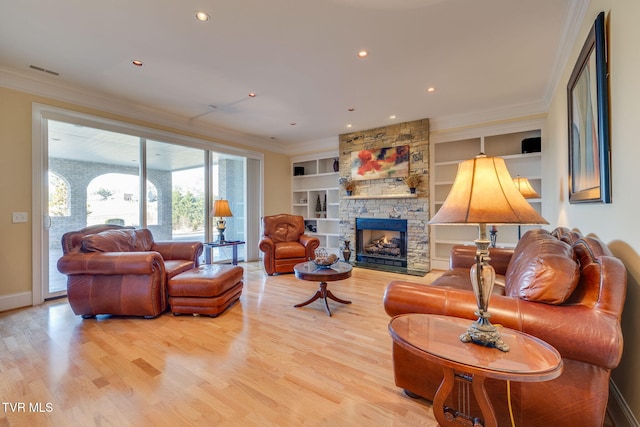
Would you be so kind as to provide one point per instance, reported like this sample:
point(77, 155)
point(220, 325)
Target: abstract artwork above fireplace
point(379, 163)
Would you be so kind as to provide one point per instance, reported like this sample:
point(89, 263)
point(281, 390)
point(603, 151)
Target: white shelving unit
point(319, 182)
point(448, 150)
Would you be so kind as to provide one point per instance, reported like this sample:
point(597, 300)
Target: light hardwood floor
point(261, 363)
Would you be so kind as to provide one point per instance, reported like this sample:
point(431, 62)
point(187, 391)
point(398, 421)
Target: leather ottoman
point(209, 289)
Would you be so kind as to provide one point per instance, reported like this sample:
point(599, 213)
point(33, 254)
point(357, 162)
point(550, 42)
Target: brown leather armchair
point(120, 270)
point(284, 243)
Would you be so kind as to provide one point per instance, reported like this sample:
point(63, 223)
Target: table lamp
point(528, 192)
point(221, 210)
point(483, 192)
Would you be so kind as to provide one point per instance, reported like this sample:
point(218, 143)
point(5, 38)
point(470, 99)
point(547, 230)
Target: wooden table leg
point(323, 293)
point(448, 381)
point(447, 418)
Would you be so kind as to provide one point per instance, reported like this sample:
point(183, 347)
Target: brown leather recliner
point(120, 270)
point(284, 243)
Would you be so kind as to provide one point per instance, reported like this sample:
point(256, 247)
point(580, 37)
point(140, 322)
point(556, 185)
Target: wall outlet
point(20, 217)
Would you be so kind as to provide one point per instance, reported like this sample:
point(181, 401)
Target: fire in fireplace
point(381, 242)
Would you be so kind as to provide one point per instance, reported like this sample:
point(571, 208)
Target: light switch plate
point(20, 217)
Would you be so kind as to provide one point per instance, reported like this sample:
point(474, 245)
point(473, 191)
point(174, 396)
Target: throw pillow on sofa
point(543, 269)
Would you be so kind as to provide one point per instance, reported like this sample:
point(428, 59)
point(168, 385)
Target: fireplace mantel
point(383, 196)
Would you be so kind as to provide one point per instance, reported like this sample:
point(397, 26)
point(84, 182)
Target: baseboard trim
point(13, 301)
point(618, 410)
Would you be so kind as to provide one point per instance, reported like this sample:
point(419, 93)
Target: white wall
point(617, 223)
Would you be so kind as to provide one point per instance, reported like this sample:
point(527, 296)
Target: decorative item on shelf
point(348, 184)
point(527, 191)
point(483, 192)
point(221, 210)
point(312, 228)
point(318, 207)
point(324, 259)
point(324, 205)
point(412, 181)
point(493, 235)
point(298, 170)
point(336, 165)
point(346, 252)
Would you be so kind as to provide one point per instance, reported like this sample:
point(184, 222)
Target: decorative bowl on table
point(324, 259)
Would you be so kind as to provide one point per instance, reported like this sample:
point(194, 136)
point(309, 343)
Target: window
point(97, 170)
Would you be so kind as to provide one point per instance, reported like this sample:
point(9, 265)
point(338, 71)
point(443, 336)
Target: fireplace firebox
point(381, 243)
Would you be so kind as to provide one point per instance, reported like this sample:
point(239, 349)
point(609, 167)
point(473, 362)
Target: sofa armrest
point(109, 263)
point(464, 256)
point(267, 245)
point(578, 332)
point(179, 250)
point(309, 242)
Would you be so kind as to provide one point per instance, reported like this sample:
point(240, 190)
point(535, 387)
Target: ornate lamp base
point(484, 333)
point(221, 235)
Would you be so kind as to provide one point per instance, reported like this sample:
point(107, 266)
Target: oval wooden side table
point(436, 338)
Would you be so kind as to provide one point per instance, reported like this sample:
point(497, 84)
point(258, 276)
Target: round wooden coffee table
point(310, 271)
point(436, 339)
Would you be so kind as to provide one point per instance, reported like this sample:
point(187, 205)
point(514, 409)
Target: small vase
point(349, 192)
point(412, 190)
point(346, 252)
point(336, 165)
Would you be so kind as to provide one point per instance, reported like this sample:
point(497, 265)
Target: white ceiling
point(484, 57)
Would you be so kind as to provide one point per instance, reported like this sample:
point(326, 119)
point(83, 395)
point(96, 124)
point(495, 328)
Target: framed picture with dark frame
point(588, 114)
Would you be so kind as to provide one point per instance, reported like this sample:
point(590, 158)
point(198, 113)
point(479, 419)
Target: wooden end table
point(310, 271)
point(436, 338)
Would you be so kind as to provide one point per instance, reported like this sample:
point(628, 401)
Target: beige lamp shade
point(483, 192)
point(221, 209)
point(525, 188)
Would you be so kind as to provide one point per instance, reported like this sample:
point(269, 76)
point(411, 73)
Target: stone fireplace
point(388, 198)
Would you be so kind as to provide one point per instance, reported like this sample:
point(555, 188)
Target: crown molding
point(576, 12)
point(438, 124)
point(58, 91)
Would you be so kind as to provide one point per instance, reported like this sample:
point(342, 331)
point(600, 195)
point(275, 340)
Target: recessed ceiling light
point(202, 16)
point(349, 125)
point(137, 63)
point(363, 54)
point(292, 123)
point(352, 109)
point(431, 89)
point(393, 116)
point(252, 94)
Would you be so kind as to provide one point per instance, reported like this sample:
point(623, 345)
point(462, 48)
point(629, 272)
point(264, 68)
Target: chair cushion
point(124, 240)
point(110, 241)
point(289, 250)
point(542, 269)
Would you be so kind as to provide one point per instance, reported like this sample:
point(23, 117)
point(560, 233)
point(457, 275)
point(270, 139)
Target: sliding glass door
point(92, 175)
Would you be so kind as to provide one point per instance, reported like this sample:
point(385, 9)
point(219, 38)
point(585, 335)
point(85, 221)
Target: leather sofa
point(121, 271)
point(284, 243)
point(561, 287)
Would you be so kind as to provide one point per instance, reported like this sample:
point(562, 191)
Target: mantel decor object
point(348, 184)
point(483, 192)
point(413, 180)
